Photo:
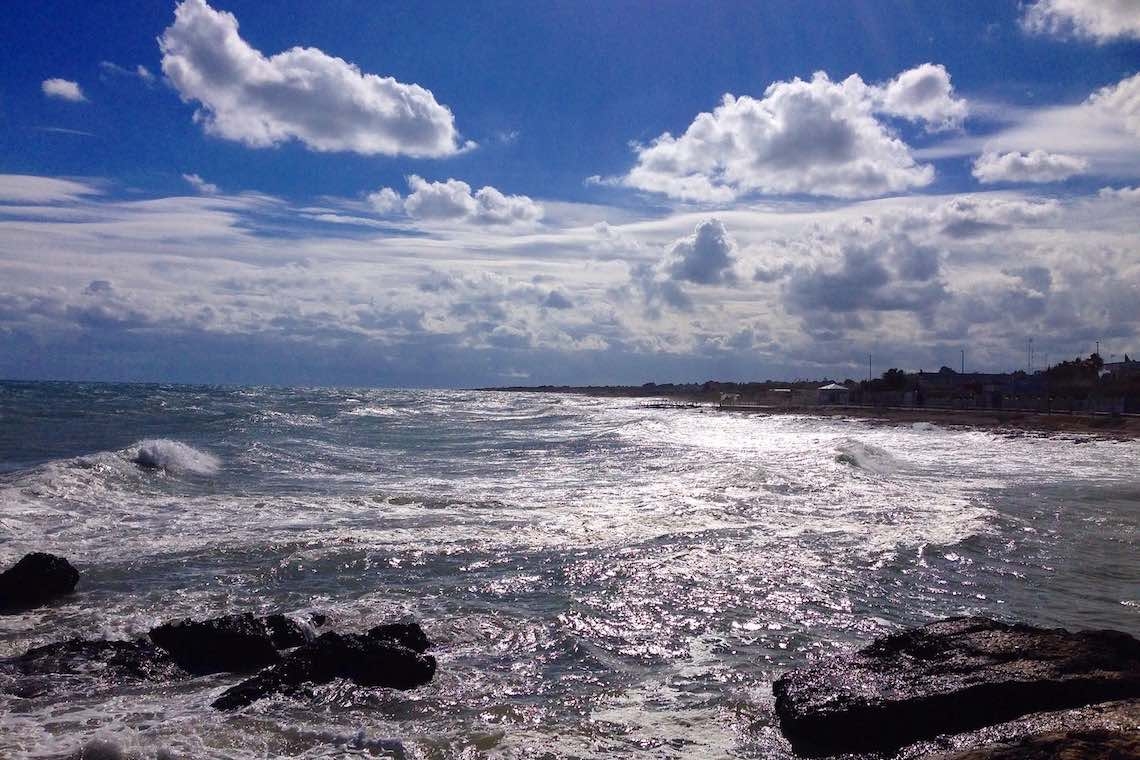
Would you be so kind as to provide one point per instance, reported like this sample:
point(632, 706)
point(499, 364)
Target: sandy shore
point(1012, 421)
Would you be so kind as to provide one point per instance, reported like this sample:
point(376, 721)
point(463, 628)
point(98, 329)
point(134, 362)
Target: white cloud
point(201, 185)
point(304, 94)
point(64, 89)
point(26, 188)
point(1098, 20)
point(1034, 166)
point(1119, 102)
point(452, 200)
point(817, 137)
point(924, 94)
point(1104, 130)
point(386, 201)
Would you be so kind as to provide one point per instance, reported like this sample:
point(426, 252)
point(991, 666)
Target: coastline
point(1012, 421)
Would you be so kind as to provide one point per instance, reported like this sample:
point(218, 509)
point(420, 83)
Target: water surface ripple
point(602, 580)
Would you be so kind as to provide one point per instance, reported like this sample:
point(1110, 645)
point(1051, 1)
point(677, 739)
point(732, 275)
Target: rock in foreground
point(363, 659)
point(34, 581)
point(949, 677)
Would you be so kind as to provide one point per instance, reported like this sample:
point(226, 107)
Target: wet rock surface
point(950, 677)
point(366, 660)
point(1105, 720)
point(35, 580)
point(137, 660)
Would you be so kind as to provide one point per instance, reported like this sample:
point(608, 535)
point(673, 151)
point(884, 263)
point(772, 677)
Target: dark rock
point(229, 644)
point(405, 634)
point(137, 660)
point(1068, 745)
point(35, 580)
point(362, 659)
point(949, 677)
point(285, 632)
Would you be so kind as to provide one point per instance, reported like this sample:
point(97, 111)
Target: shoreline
point(1011, 421)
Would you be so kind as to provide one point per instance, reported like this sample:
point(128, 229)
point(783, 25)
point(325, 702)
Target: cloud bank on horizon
point(311, 222)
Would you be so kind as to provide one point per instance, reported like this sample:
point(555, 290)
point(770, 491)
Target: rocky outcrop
point(949, 677)
point(366, 660)
point(34, 581)
point(232, 643)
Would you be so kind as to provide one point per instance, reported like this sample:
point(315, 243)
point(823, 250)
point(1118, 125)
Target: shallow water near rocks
point(601, 579)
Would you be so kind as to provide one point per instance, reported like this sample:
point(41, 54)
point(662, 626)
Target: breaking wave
point(174, 457)
point(866, 456)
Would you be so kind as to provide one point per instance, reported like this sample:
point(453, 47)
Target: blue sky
point(459, 194)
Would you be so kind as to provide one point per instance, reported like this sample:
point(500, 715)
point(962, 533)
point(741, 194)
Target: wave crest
point(174, 457)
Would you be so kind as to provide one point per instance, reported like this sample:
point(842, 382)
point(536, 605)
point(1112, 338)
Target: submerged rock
point(363, 659)
point(35, 580)
point(949, 677)
point(228, 644)
point(137, 660)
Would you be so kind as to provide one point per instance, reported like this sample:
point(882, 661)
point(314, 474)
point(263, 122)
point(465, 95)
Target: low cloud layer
point(817, 137)
point(300, 94)
point(107, 284)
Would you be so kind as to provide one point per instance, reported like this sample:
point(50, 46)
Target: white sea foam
point(175, 457)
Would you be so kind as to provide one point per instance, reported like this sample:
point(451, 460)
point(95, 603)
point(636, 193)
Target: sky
point(447, 194)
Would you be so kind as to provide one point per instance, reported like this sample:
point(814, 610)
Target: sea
point(601, 579)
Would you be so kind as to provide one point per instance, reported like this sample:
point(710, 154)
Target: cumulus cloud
point(1034, 166)
point(1098, 20)
point(817, 137)
point(64, 89)
point(964, 218)
point(707, 257)
point(303, 93)
point(386, 201)
point(452, 200)
point(924, 94)
point(200, 185)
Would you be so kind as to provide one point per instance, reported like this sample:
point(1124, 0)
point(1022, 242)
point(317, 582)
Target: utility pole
point(1098, 348)
point(868, 368)
point(963, 361)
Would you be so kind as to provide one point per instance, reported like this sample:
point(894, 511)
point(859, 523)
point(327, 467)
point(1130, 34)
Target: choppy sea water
point(601, 579)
